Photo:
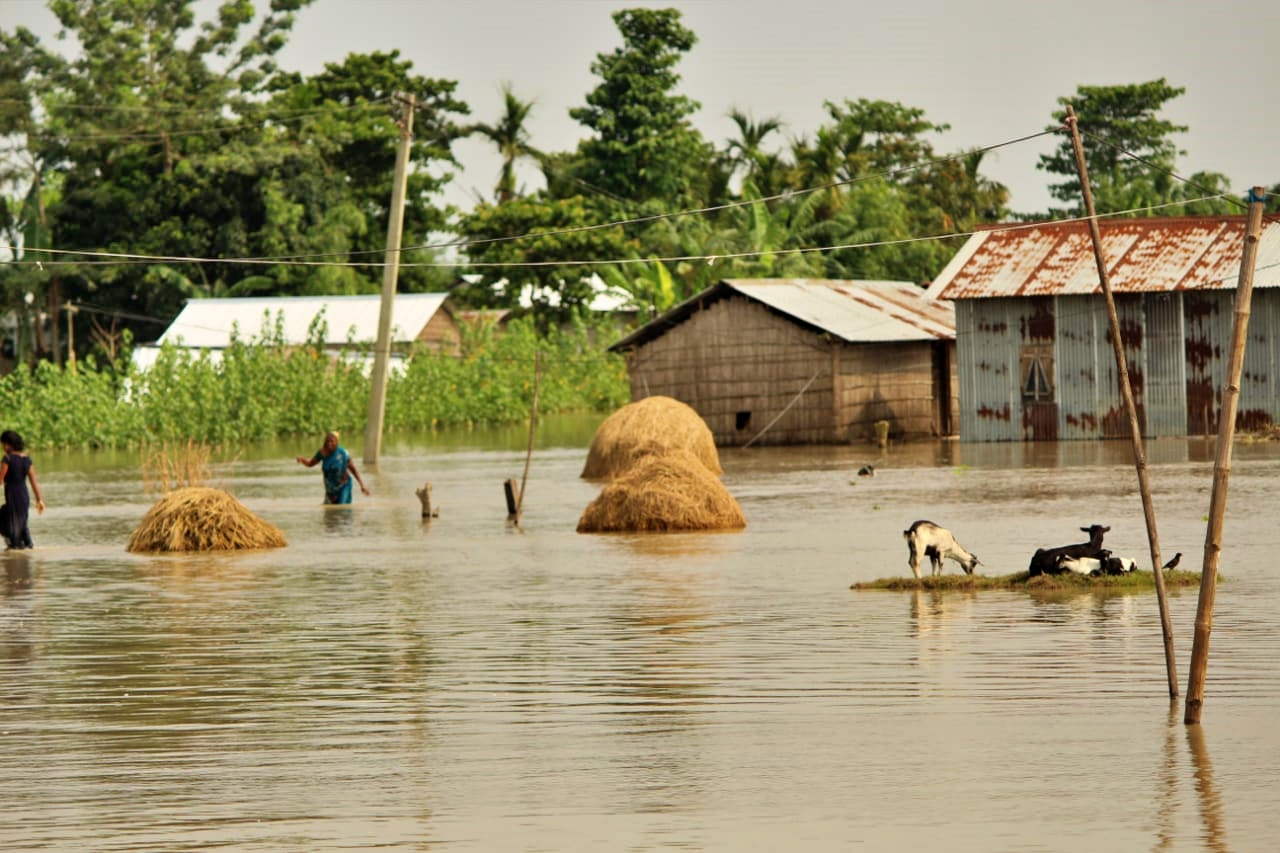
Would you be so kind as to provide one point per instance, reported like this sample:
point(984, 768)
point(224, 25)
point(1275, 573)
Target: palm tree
point(745, 152)
point(511, 135)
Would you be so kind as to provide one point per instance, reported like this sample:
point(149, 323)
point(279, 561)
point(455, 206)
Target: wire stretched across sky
point(103, 258)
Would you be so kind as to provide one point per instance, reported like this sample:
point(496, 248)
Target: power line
point(123, 258)
point(302, 260)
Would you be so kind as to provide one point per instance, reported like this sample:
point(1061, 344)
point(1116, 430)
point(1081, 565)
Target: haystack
point(198, 518)
point(652, 426)
point(667, 492)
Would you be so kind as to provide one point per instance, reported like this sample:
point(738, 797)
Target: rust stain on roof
point(1152, 255)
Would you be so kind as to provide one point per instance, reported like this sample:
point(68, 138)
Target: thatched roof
point(654, 425)
point(198, 518)
point(674, 491)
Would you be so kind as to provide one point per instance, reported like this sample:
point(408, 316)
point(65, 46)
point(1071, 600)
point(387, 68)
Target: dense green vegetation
point(261, 389)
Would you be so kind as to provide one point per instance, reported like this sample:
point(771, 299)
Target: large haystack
point(652, 426)
point(198, 518)
point(674, 491)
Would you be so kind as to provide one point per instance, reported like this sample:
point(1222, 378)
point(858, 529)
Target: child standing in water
point(16, 469)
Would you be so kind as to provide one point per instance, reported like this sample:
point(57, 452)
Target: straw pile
point(663, 492)
point(654, 425)
point(198, 518)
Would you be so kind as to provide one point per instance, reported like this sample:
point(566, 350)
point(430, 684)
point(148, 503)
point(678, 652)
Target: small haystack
point(667, 492)
point(652, 426)
point(198, 518)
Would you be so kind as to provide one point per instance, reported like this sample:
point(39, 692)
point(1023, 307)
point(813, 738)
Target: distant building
point(1035, 355)
point(209, 324)
point(802, 361)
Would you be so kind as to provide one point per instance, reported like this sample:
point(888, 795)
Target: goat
point(1103, 563)
point(926, 539)
point(1046, 561)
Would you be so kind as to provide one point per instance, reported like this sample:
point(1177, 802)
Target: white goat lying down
point(1103, 564)
point(926, 539)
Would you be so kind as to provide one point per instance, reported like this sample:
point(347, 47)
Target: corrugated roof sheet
point(209, 322)
point(854, 311)
point(1143, 256)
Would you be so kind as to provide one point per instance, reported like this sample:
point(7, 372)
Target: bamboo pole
point(390, 273)
point(533, 423)
point(1222, 462)
point(1126, 391)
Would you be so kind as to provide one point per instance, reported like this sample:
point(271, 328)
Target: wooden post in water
point(429, 510)
point(1126, 391)
point(1222, 462)
point(513, 504)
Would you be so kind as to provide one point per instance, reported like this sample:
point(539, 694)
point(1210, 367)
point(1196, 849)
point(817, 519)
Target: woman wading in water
point(16, 470)
point(338, 469)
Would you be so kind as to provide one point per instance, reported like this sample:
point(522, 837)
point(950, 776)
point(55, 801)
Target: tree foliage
point(177, 139)
point(1129, 153)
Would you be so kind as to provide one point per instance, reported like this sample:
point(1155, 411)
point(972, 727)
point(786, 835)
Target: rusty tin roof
point(1143, 256)
point(853, 311)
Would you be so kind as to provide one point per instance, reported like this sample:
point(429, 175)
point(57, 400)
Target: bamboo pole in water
point(533, 423)
point(1126, 391)
point(1222, 462)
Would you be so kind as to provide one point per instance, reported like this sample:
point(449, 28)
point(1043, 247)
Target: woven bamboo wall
point(890, 381)
point(741, 366)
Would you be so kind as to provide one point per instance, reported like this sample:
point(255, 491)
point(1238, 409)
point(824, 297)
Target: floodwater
point(462, 684)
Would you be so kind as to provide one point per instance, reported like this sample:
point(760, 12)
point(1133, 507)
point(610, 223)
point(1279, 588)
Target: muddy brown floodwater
point(385, 683)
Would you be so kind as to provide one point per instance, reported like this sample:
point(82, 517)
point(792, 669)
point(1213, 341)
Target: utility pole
point(1222, 462)
point(1126, 391)
point(71, 335)
point(390, 274)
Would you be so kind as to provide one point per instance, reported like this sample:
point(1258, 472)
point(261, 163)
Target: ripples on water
point(385, 683)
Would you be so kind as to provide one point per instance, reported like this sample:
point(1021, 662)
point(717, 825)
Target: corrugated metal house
point(802, 361)
point(208, 324)
point(1033, 342)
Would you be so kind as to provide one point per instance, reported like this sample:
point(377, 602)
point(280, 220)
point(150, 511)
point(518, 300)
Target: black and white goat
point(926, 539)
point(1048, 561)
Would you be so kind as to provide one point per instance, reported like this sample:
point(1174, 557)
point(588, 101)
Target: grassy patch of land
point(1069, 581)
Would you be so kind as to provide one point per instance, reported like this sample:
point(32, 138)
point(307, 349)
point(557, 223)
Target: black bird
point(1173, 563)
point(867, 471)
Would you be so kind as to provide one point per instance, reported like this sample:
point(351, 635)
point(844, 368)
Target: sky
point(992, 70)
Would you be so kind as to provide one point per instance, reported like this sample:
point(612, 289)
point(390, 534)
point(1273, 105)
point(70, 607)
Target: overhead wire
point(123, 258)
point(303, 259)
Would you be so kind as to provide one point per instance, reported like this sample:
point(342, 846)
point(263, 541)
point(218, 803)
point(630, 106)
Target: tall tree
point(1129, 151)
point(644, 146)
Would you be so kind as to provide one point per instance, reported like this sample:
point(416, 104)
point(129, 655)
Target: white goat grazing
point(926, 539)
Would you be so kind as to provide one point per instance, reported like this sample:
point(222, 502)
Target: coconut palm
point(511, 135)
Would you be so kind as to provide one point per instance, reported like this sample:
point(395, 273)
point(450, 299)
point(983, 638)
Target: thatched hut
point(663, 492)
point(199, 518)
point(652, 426)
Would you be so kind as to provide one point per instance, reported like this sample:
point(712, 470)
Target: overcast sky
point(991, 70)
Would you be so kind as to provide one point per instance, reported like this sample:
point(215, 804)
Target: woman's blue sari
point(337, 481)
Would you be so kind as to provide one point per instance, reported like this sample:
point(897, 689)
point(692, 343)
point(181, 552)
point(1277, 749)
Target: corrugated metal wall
point(1176, 344)
point(1078, 337)
point(1260, 381)
point(1207, 319)
point(987, 364)
point(1165, 393)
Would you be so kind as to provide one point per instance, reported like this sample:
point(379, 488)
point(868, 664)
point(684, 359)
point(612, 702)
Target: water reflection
point(1213, 828)
point(338, 520)
point(17, 571)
